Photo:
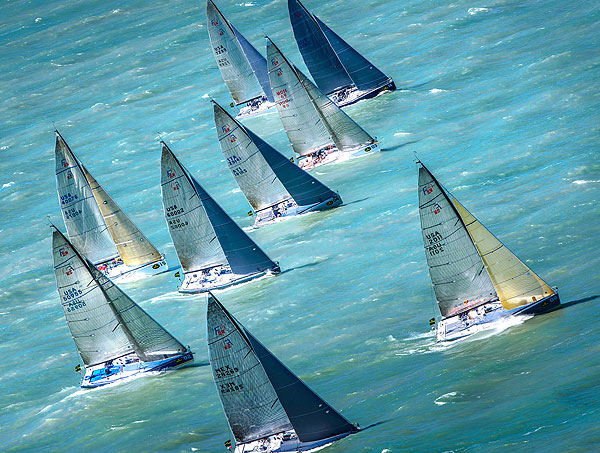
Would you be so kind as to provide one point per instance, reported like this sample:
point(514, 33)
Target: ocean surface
point(500, 99)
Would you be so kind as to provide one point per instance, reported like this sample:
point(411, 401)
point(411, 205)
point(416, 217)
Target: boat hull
point(464, 325)
point(120, 273)
point(256, 109)
point(120, 370)
point(334, 155)
point(349, 96)
point(286, 442)
point(195, 283)
point(272, 217)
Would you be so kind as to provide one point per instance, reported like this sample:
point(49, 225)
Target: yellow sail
point(514, 282)
point(133, 247)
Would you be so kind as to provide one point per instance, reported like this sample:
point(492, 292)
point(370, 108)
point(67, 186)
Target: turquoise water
point(499, 99)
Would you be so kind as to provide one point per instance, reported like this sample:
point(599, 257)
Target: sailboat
point(319, 131)
point(115, 337)
point(275, 187)
point(268, 407)
point(477, 280)
point(243, 68)
point(213, 250)
point(337, 68)
point(98, 227)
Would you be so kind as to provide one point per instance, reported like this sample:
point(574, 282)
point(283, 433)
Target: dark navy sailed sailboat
point(213, 250)
point(115, 337)
point(243, 68)
point(337, 68)
point(275, 187)
point(269, 409)
point(477, 280)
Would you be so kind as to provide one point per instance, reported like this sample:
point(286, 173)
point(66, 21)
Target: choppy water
point(500, 99)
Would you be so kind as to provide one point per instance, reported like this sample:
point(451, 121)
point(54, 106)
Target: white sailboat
point(268, 407)
point(477, 280)
point(213, 250)
point(274, 186)
point(243, 68)
point(337, 68)
point(115, 337)
point(319, 131)
point(98, 227)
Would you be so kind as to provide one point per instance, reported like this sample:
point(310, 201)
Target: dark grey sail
point(457, 272)
point(104, 322)
point(324, 65)
point(363, 73)
point(242, 253)
point(311, 417)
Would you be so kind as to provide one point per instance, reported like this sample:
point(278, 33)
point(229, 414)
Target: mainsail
point(265, 176)
point(343, 130)
point(250, 403)
point(515, 283)
point(318, 54)
point(243, 68)
point(104, 322)
point(81, 214)
point(233, 350)
point(332, 62)
point(203, 234)
point(457, 272)
point(303, 125)
point(133, 247)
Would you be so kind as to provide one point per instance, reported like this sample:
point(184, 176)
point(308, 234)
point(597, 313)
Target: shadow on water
point(198, 365)
point(373, 425)
point(418, 85)
point(356, 201)
point(575, 302)
point(314, 263)
point(394, 148)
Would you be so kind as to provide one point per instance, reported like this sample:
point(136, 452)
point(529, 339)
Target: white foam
point(473, 11)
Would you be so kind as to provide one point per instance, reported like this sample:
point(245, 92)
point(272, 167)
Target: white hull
point(476, 320)
point(351, 95)
point(256, 109)
point(118, 272)
point(334, 155)
point(129, 367)
point(216, 278)
point(289, 209)
point(285, 442)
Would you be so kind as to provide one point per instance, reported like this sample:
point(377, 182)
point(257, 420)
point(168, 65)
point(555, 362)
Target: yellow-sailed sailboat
point(476, 279)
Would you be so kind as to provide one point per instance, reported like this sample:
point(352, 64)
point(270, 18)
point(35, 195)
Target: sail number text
point(225, 371)
point(229, 387)
point(68, 198)
point(72, 295)
point(435, 246)
point(174, 210)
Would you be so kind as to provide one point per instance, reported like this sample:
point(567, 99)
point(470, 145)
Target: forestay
point(81, 214)
point(133, 247)
point(457, 272)
point(302, 123)
point(251, 171)
point(344, 131)
point(318, 54)
point(515, 283)
point(193, 235)
point(104, 322)
point(363, 73)
point(235, 68)
point(251, 405)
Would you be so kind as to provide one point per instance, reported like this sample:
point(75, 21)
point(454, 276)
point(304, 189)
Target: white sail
point(233, 63)
point(81, 214)
point(255, 177)
point(133, 247)
point(457, 272)
point(193, 234)
point(344, 131)
point(515, 283)
point(249, 400)
point(303, 125)
point(104, 321)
